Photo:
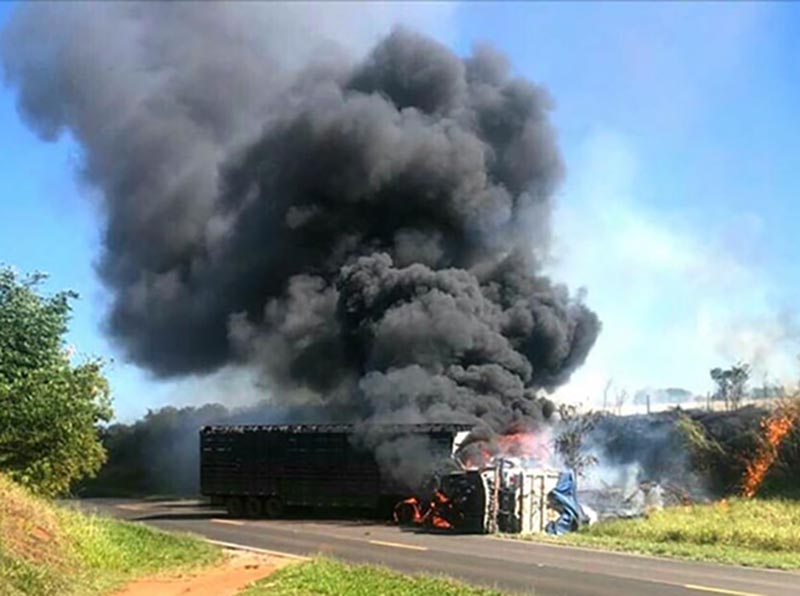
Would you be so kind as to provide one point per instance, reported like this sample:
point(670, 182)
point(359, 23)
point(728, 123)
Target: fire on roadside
point(775, 429)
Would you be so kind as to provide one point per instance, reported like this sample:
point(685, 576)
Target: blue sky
point(681, 133)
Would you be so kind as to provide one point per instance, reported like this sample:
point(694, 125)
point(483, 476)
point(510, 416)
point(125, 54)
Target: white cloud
point(676, 296)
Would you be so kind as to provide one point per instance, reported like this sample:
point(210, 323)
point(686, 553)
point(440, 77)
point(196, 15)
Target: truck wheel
point(234, 506)
point(273, 508)
point(253, 507)
point(405, 515)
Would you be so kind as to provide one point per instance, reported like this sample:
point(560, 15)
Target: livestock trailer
point(259, 470)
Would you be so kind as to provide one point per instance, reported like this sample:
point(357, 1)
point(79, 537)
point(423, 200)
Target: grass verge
point(755, 533)
point(45, 549)
point(326, 577)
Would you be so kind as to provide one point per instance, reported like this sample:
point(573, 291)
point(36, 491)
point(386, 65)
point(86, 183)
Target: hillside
point(46, 549)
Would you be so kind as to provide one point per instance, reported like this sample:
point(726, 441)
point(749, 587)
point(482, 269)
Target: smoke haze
point(365, 232)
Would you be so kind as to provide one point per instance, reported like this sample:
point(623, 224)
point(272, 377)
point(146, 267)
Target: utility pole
point(605, 394)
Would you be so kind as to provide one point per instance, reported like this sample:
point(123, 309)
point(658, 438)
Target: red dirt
point(228, 579)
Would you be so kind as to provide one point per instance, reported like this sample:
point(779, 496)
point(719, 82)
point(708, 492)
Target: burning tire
point(407, 514)
point(273, 508)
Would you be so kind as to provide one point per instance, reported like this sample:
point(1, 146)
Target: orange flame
point(775, 429)
point(526, 445)
point(410, 510)
point(433, 515)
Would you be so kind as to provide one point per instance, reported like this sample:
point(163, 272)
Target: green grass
point(756, 533)
point(326, 577)
point(46, 549)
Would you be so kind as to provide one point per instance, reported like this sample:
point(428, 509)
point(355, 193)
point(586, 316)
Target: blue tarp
point(564, 499)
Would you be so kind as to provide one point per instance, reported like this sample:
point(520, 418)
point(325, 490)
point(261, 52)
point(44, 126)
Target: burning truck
point(260, 470)
point(503, 497)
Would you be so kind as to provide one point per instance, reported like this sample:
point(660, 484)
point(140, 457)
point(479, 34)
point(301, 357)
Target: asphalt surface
point(547, 570)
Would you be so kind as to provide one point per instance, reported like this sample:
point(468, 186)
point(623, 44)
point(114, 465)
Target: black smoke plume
point(368, 233)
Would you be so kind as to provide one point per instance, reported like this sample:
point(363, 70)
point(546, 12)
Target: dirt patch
point(239, 570)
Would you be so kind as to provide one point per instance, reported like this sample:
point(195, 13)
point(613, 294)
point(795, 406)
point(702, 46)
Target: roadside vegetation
point(46, 549)
point(326, 577)
point(50, 401)
point(751, 532)
point(721, 445)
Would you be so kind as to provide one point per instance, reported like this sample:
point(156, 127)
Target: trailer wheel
point(253, 507)
point(273, 508)
point(234, 506)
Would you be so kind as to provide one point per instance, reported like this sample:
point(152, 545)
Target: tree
point(731, 384)
point(575, 427)
point(49, 408)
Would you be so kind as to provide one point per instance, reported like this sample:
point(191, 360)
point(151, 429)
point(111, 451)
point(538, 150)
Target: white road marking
point(264, 551)
point(398, 545)
point(230, 522)
point(718, 590)
point(132, 507)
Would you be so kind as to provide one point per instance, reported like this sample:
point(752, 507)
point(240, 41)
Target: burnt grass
point(704, 452)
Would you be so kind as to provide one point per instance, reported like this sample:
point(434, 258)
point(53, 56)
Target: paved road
point(518, 566)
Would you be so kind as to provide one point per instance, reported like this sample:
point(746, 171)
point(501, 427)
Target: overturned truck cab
point(504, 497)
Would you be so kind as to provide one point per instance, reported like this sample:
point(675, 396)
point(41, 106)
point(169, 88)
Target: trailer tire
point(234, 506)
point(253, 507)
point(273, 508)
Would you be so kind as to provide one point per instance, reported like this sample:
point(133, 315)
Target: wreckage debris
point(565, 500)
